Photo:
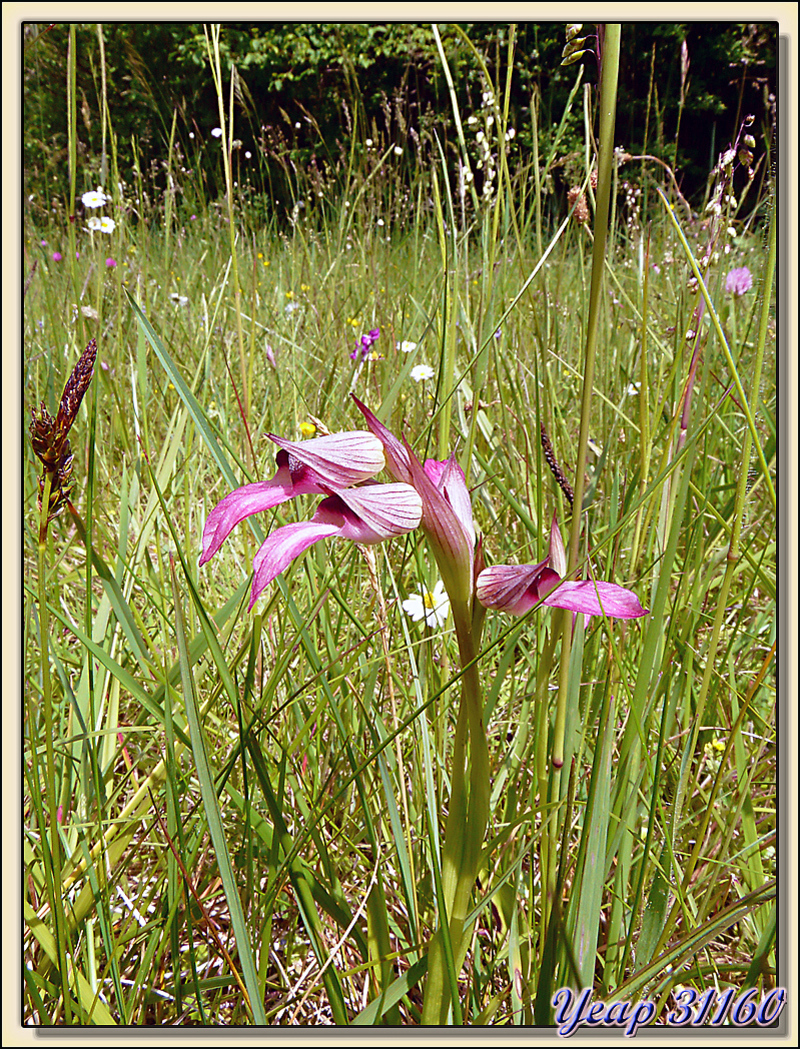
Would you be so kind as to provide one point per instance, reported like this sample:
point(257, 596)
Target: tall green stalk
point(467, 818)
point(51, 846)
point(608, 103)
point(226, 126)
point(609, 66)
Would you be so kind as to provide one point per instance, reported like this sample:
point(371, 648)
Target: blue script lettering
point(571, 1013)
point(562, 1000)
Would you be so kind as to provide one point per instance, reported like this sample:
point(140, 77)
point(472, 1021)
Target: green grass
point(253, 803)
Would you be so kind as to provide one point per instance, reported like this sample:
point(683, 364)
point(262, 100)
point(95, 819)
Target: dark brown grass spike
point(77, 385)
point(556, 470)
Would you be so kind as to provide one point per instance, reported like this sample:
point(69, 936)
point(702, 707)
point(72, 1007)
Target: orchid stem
point(464, 831)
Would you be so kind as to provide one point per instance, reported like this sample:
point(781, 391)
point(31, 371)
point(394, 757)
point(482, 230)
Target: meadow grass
point(237, 817)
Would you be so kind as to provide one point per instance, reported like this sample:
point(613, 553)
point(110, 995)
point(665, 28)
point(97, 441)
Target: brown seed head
point(77, 385)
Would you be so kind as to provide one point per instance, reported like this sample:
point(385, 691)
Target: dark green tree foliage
point(305, 93)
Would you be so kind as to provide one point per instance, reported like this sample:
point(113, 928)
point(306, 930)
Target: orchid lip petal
point(596, 598)
point(364, 515)
point(251, 499)
point(517, 588)
point(281, 547)
point(304, 468)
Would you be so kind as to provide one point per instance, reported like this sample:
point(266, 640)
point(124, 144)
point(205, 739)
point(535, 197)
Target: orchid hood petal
point(449, 479)
point(374, 512)
point(558, 555)
point(515, 588)
point(397, 462)
point(446, 507)
point(452, 542)
point(338, 460)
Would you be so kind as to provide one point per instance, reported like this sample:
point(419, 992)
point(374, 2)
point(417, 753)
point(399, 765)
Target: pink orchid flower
point(517, 588)
point(314, 467)
point(366, 515)
point(446, 507)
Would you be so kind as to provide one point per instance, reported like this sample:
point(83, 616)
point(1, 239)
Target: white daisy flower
point(431, 605)
point(107, 225)
point(406, 347)
point(421, 372)
point(95, 198)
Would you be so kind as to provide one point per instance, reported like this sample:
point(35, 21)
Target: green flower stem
point(52, 858)
point(608, 104)
point(465, 829)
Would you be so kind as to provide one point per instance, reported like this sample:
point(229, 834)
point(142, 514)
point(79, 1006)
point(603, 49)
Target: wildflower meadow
point(399, 632)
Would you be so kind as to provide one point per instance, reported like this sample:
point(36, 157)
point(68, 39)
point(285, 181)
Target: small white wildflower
point(90, 312)
point(431, 605)
point(179, 300)
point(398, 151)
point(368, 143)
point(107, 225)
point(381, 222)
point(633, 389)
point(406, 347)
point(216, 132)
point(94, 198)
point(93, 222)
point(421, 372)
